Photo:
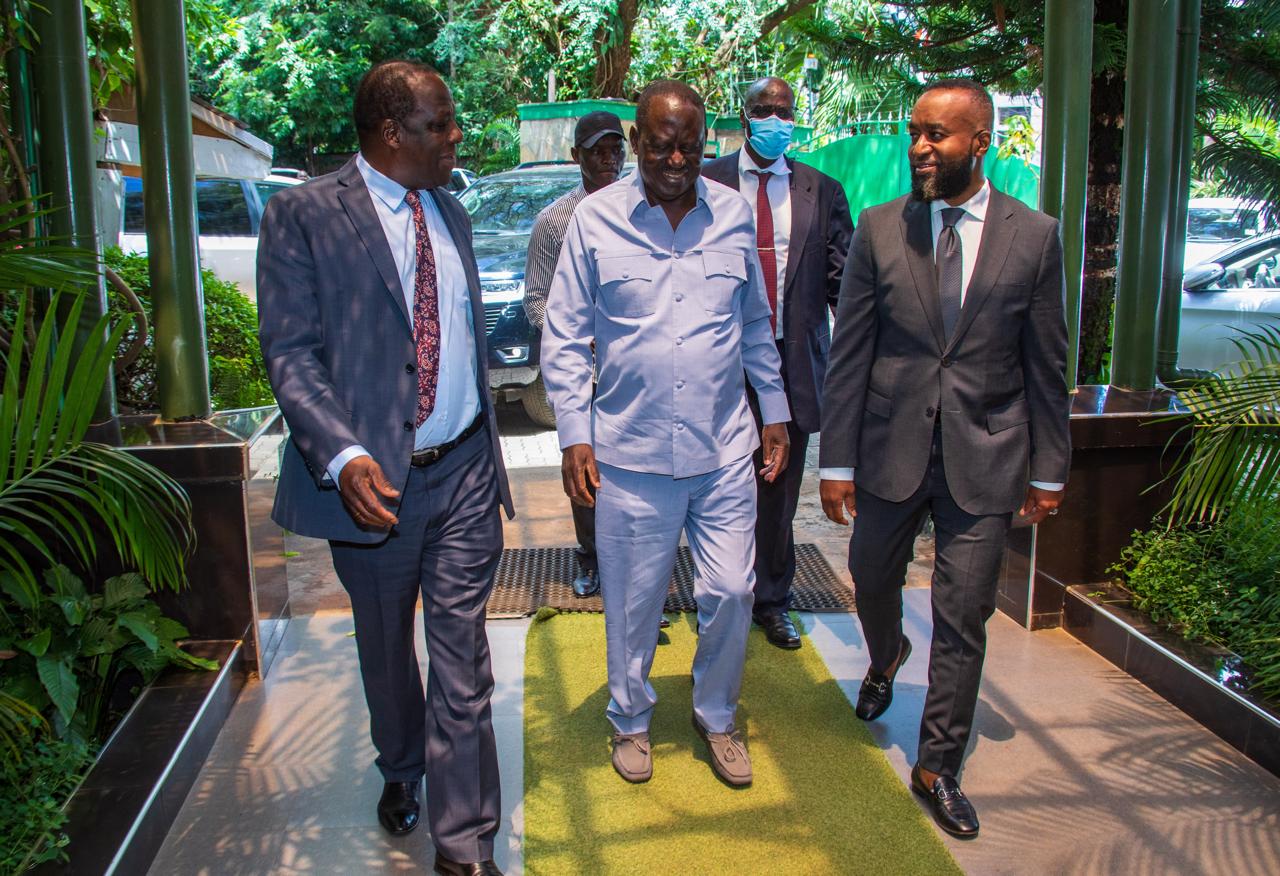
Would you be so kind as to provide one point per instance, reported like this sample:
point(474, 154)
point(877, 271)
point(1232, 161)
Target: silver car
point(1239, 288)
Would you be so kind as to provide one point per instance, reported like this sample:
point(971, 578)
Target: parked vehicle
point(1213, 224)
point(1238, 288)
point(228, 212)
point(503, 207)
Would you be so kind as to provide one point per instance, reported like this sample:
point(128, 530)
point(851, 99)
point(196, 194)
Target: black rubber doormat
point(529, 578)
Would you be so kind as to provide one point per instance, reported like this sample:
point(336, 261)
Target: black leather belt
point(431, 455)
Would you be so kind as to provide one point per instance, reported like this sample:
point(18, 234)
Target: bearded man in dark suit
point(373, 333)
point(946, 396)
point(802, 235)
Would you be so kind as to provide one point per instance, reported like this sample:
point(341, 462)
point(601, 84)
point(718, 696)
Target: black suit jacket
point(337, 337)
point(820, 230)
point(999, 380)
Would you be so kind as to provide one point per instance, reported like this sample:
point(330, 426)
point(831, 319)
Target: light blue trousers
point(639, 518)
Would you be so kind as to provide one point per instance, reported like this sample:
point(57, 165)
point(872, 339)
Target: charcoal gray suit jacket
point(999, 380)
point(337, 338)
point(820, 228)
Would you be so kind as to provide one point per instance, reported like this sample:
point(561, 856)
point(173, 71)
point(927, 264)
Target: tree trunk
point(613, 50)
point(1102, 213)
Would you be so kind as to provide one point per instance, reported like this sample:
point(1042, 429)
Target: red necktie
point(426, 310)
point(764, 244)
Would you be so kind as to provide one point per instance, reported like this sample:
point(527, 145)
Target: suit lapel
point(450, 211)
point(998, 232)
point(358, 203)
point(917, 234)
point(804, 206)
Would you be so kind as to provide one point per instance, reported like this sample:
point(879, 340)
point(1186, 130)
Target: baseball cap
point(593, 126)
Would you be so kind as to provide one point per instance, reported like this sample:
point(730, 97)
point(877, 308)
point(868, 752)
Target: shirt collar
point(746, 164)
point(975, 206)
point(636, 197)
point(381, 186)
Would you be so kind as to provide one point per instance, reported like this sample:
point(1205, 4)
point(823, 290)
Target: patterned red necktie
point(426, 311)
point(764, 244)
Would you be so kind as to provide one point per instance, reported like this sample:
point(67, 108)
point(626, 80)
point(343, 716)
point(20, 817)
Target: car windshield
point(511, 203)
point(1221, 223)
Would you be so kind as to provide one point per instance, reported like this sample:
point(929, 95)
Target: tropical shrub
point(1215, 582)
point(35, 787)
point(237, 373)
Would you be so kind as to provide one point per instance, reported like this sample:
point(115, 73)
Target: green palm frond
point(60, 495)
point(17, 720)
point(35, 262)
point(1234, 452)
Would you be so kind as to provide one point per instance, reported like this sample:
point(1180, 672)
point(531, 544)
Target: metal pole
point(64, 114)
point(1184, 121)
point(168, 187)
point(1144, 189)
point(1068, 63)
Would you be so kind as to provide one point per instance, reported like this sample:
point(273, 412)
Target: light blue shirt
point(677, 317)
point(457, 396)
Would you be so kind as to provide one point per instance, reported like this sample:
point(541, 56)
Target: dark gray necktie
point(949, 256)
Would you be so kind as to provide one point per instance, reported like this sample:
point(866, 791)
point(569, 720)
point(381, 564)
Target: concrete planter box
point(1209, 684)
point(119, 816)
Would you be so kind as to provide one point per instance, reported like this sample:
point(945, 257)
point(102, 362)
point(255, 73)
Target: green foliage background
point(237, 374)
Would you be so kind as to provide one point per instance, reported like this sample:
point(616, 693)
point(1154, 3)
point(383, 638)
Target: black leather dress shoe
point(876, 692)
point(951, 808)
point(586, 584)
point(398, 809)
point(445, 867)
point(779, 629)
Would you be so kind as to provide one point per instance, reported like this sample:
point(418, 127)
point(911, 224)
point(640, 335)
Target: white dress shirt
point(779, 191)
point(457, 397)
point(969, 228)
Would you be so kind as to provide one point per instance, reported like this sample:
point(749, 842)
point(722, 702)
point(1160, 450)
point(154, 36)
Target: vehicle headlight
point(501, 291)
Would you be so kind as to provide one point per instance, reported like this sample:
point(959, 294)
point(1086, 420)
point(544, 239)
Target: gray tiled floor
point(290, 785)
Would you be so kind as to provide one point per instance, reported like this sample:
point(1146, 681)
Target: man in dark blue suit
point(802, 231)
point(373, 333)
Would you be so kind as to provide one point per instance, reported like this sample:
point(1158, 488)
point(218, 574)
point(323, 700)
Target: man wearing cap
point(599, 151)
point(802, 234)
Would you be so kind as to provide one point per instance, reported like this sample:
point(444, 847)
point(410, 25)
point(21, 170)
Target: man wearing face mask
point(946, 397)
point(802, 234)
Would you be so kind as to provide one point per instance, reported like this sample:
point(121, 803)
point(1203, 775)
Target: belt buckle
point(427, 456)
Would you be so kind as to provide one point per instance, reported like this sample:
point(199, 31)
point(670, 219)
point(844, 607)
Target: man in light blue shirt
point(661, 273)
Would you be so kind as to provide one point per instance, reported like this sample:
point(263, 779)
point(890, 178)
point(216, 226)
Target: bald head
point(769, 89)
point(668, 92)
point(981, 111)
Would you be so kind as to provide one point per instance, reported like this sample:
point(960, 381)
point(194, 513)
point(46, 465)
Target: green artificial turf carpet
point(824, 800)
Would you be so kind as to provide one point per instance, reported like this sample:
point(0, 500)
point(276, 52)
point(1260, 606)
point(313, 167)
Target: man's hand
point(364, 490)
point(580, 475)
point(775, 449)
point(837, 498)
point(1040, 504)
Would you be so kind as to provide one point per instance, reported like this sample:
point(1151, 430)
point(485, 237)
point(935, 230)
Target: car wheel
point(536, 405)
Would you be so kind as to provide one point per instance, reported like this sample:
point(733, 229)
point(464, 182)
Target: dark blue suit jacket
point(820, 231)
point(336, 335)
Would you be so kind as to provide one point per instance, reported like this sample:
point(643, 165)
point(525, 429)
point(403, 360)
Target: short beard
point(949, 180)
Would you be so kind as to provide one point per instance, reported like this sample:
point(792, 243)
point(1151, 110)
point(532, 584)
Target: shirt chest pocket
point(626, 285)
point(726, 273)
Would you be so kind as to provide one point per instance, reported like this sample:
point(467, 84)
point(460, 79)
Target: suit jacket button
point(408, 427)
point(409, 368)
point(946, 362)
point(929, 412)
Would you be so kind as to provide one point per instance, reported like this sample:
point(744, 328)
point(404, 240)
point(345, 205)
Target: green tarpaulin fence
point(873, 169)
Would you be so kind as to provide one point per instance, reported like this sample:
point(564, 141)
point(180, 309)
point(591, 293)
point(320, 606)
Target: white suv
point(228, 213)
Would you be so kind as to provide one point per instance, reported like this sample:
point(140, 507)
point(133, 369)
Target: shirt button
point(680, 426)
point(679, 384)
point(679, 341)
point(679, 297)
point(408, 368)
point(408, 427)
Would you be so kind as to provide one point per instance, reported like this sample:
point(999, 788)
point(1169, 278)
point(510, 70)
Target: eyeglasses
point(763, 111)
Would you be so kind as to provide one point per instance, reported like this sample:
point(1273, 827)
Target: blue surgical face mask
point(770, 137)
